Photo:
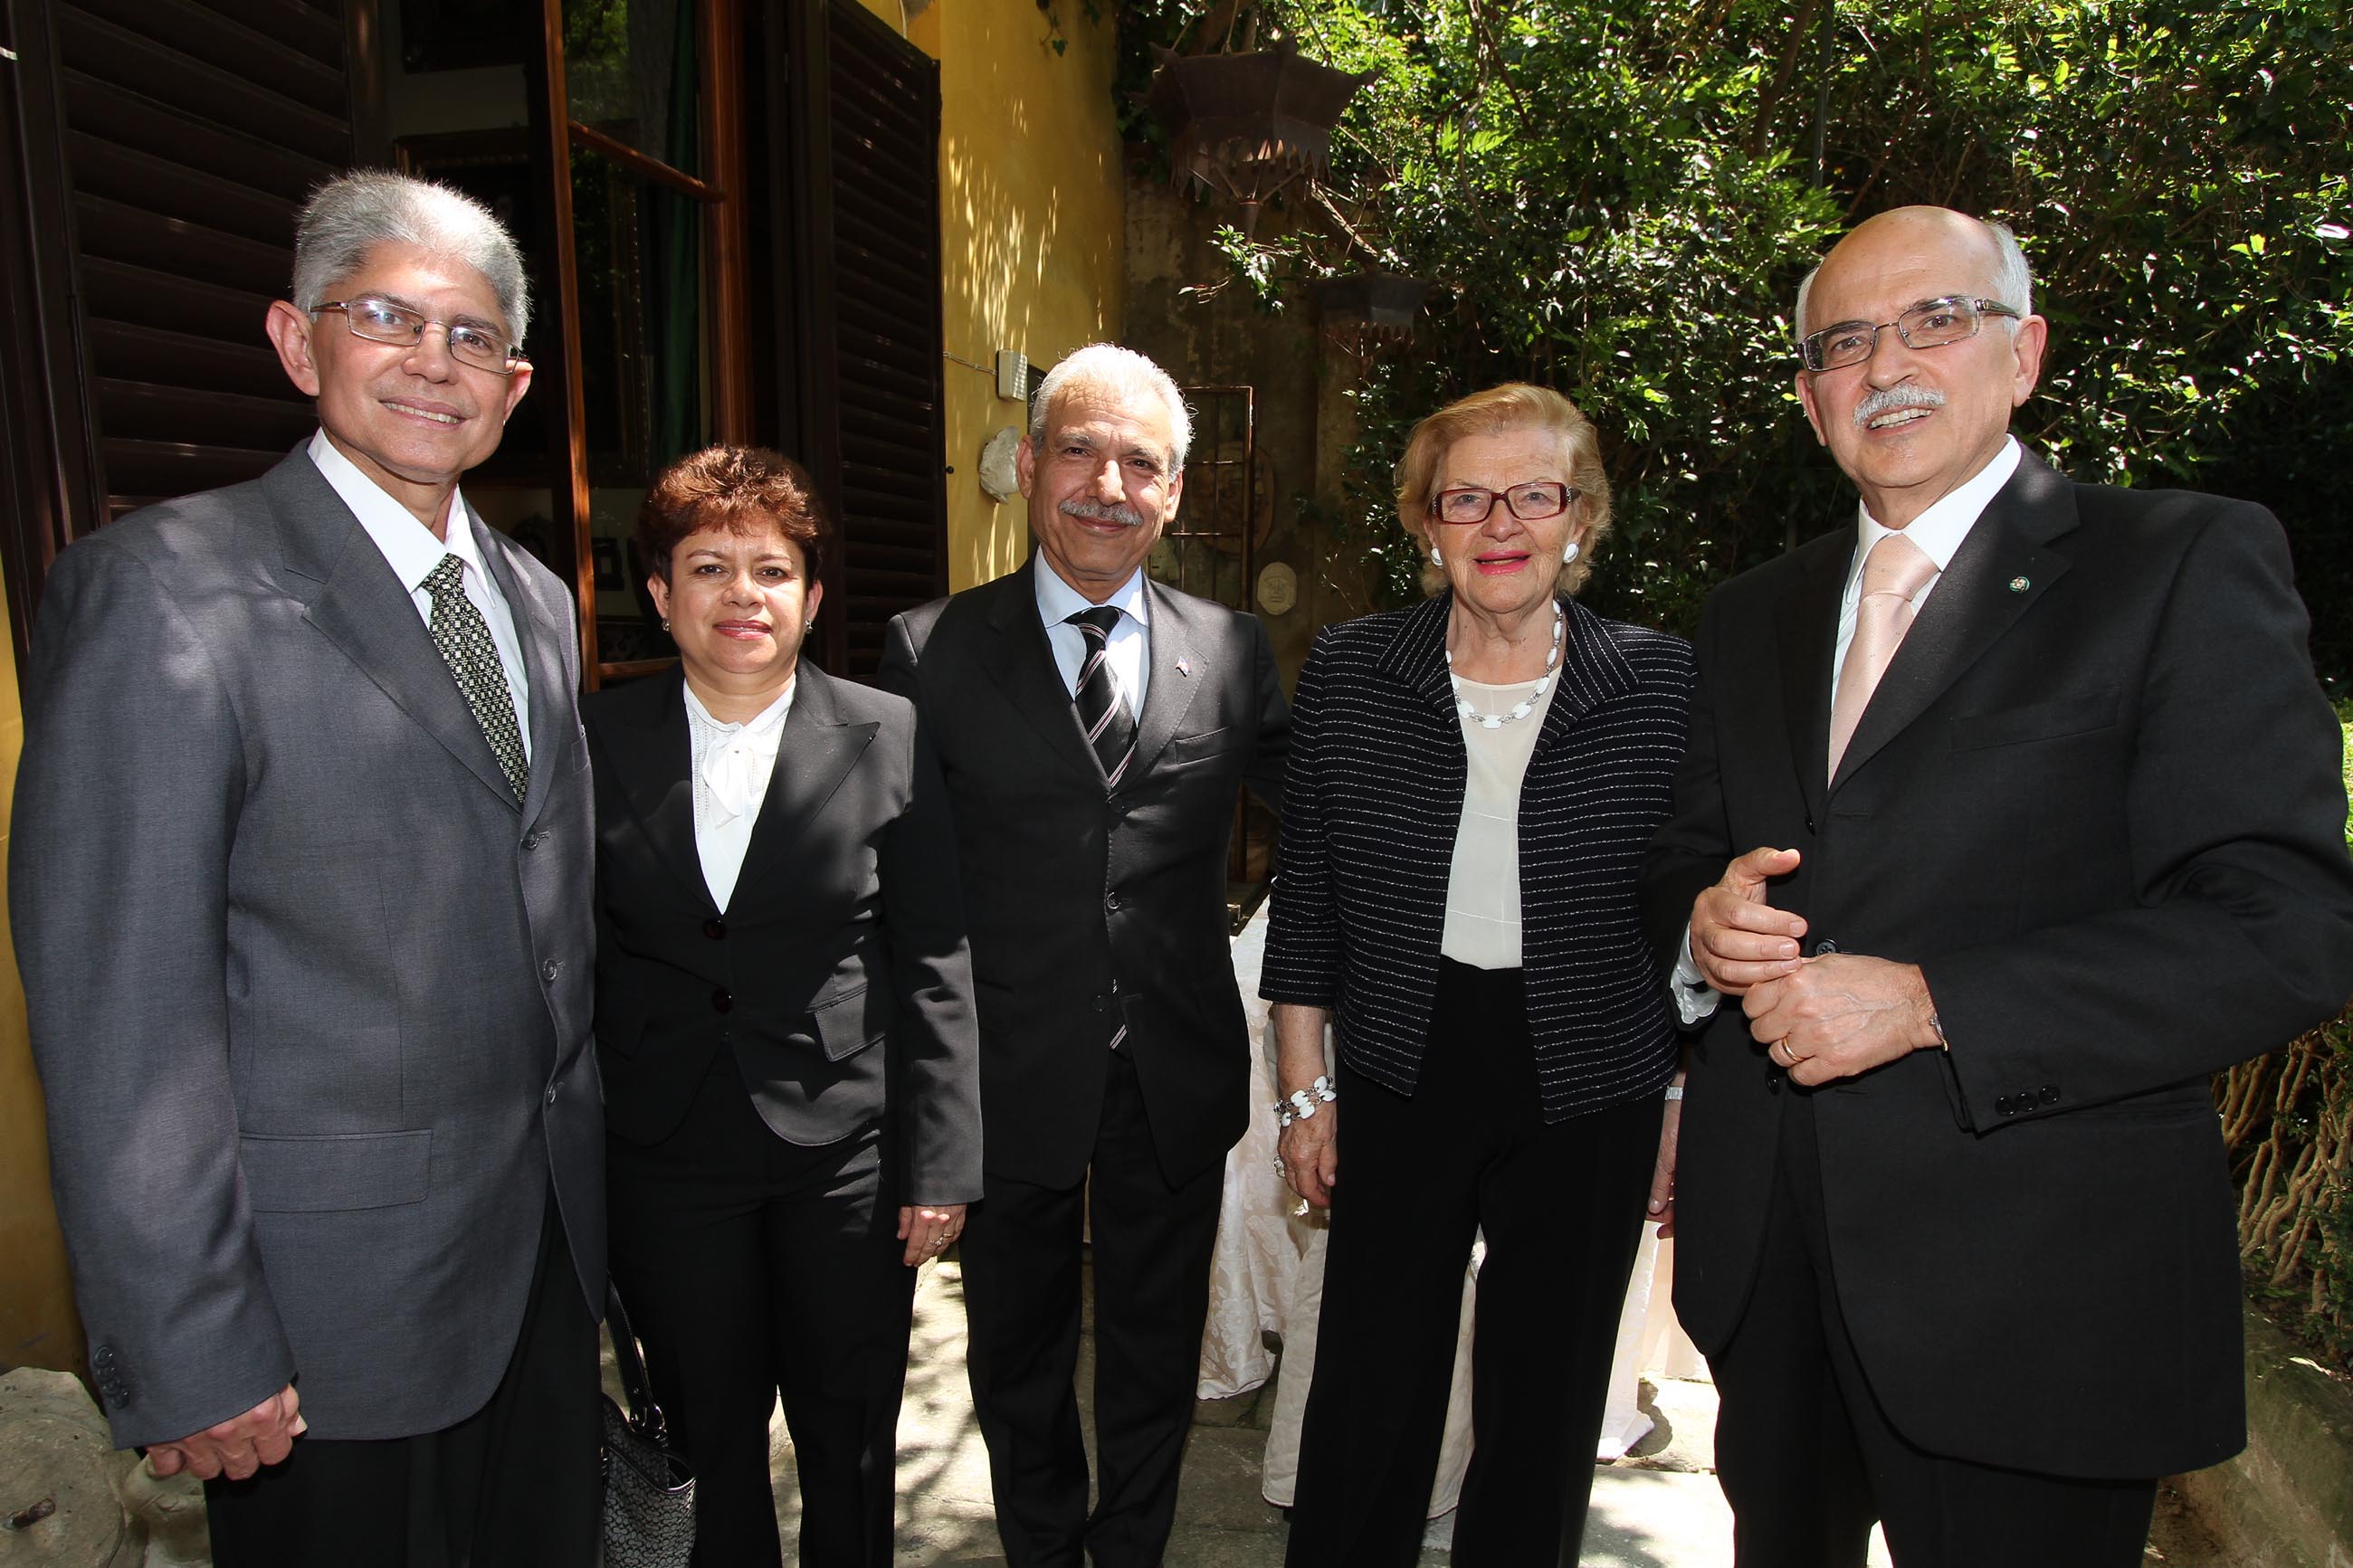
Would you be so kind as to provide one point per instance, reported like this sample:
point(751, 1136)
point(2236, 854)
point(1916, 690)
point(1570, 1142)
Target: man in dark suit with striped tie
point(1093, 727)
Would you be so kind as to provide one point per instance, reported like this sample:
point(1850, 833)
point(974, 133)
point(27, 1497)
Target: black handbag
point(648, 1489)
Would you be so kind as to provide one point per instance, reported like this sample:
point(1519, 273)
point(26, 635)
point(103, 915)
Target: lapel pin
point(1183, 667)
point(2020, 584)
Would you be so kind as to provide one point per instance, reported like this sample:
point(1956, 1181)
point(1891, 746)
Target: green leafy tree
point(1619, 200)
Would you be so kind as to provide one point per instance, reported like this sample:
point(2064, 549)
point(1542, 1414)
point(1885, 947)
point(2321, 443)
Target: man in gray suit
point(301, 893)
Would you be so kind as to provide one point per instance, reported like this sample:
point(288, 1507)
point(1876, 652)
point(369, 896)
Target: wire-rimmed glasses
point(470, 343)
point(1930, 324)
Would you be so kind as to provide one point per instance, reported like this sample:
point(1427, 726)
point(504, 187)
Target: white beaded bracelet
point(1300, 1104)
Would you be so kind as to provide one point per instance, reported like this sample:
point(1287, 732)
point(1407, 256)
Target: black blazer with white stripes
point(1371, 800)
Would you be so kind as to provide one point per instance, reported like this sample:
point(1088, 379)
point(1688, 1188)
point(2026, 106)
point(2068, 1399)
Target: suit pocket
point(1184, 750)
point(852, 1021)
point(341, 1171)
point(2075, 715)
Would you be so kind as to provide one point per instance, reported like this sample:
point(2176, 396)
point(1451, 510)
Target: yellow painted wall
point(38, 1325)
point(1032, 226)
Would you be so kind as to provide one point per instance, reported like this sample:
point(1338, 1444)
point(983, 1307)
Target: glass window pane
point(637, 246)
point(629, 71)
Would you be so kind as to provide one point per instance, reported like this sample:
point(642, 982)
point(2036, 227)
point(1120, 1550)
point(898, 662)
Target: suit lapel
point(2000, 570)
point(1807, 634)
point(543, 635)
point(351, 595)
point(1020, 661)
point(653, 775)
point(1417, 658)
point(816, 752)
point(1179, 670)
point(1593, 671)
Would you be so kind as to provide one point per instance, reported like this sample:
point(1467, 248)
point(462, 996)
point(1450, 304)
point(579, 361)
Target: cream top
point(1482, 888)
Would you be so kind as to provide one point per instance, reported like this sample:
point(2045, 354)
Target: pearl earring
point(665, 623)
point(1569, 555)
point(1435, 558)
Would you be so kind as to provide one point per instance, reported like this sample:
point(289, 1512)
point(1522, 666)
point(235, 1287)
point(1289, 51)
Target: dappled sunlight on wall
point(1032, 227)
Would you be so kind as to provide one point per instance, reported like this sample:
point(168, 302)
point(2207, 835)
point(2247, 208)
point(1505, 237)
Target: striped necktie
point(464, 639)
point(1103, 713)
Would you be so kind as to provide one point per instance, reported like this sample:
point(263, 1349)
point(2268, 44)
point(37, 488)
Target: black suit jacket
point(2097, 798)
point(1372, 806)
point(838, 976)
point(1091, 906)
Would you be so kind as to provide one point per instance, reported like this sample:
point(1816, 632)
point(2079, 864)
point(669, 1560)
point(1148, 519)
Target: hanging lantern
point(1365, 312)
point(1247, 125)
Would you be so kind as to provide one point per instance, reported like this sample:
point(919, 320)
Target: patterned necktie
point(464, 639)
point(1894, 570)
point(1103, 713)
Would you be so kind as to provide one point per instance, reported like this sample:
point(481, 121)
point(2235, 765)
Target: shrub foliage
point(1619, 200)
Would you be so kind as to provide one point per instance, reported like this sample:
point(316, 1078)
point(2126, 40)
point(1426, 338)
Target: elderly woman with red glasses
point(1472, 784)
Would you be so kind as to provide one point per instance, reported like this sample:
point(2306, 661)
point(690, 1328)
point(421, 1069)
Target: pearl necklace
point(1527, 705)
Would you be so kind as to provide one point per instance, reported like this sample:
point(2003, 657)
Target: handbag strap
point(645, 1416)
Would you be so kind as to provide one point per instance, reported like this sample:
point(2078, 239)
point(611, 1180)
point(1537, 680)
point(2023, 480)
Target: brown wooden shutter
point(191, 133)
point(886, 235)
point(847, 248)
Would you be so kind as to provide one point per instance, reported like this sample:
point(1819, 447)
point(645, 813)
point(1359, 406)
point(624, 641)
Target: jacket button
point(1824, 947)
point(721, 1001)
point(2050, 1094)
point(1100, 1003)
point(551, 1094)
point(533, 840)
point(551, 969)
point(1111, 902)
point(714, 930)
point(1773, 1083)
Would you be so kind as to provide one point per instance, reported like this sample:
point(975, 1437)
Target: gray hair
point(353, 213)
point(2014, 282)
point(1121, 370)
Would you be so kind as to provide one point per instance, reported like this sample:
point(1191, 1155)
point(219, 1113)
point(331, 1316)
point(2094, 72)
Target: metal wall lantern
point(1365, 312)
point(1247, 125)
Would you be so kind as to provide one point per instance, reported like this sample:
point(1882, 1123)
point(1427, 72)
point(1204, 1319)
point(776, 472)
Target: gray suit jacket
point(309, 987)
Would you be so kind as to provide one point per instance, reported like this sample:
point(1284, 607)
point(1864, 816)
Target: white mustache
point(1888, 399)
point(1126, 516)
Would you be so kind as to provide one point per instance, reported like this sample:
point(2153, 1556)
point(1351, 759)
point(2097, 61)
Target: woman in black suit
point(1472, 784)
point(784, 1019)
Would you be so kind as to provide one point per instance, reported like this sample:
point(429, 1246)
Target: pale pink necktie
point(1894, 570)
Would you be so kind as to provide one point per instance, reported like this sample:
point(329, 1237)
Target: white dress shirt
point(731, 766)
point(1129, 650)
point(1482, 884)
point(409, 547)
point(1938, 531)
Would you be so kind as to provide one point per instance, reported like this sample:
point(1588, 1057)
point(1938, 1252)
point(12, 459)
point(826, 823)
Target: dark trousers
point(1807, 1459)
point(1022, 1259)
point(1562, 1206)
point(751, 1267)
point(515, 1485)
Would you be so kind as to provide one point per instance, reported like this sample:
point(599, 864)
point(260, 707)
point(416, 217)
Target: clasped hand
point(239, 1447)
point(1820, 1018)
point(1841, 1014)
